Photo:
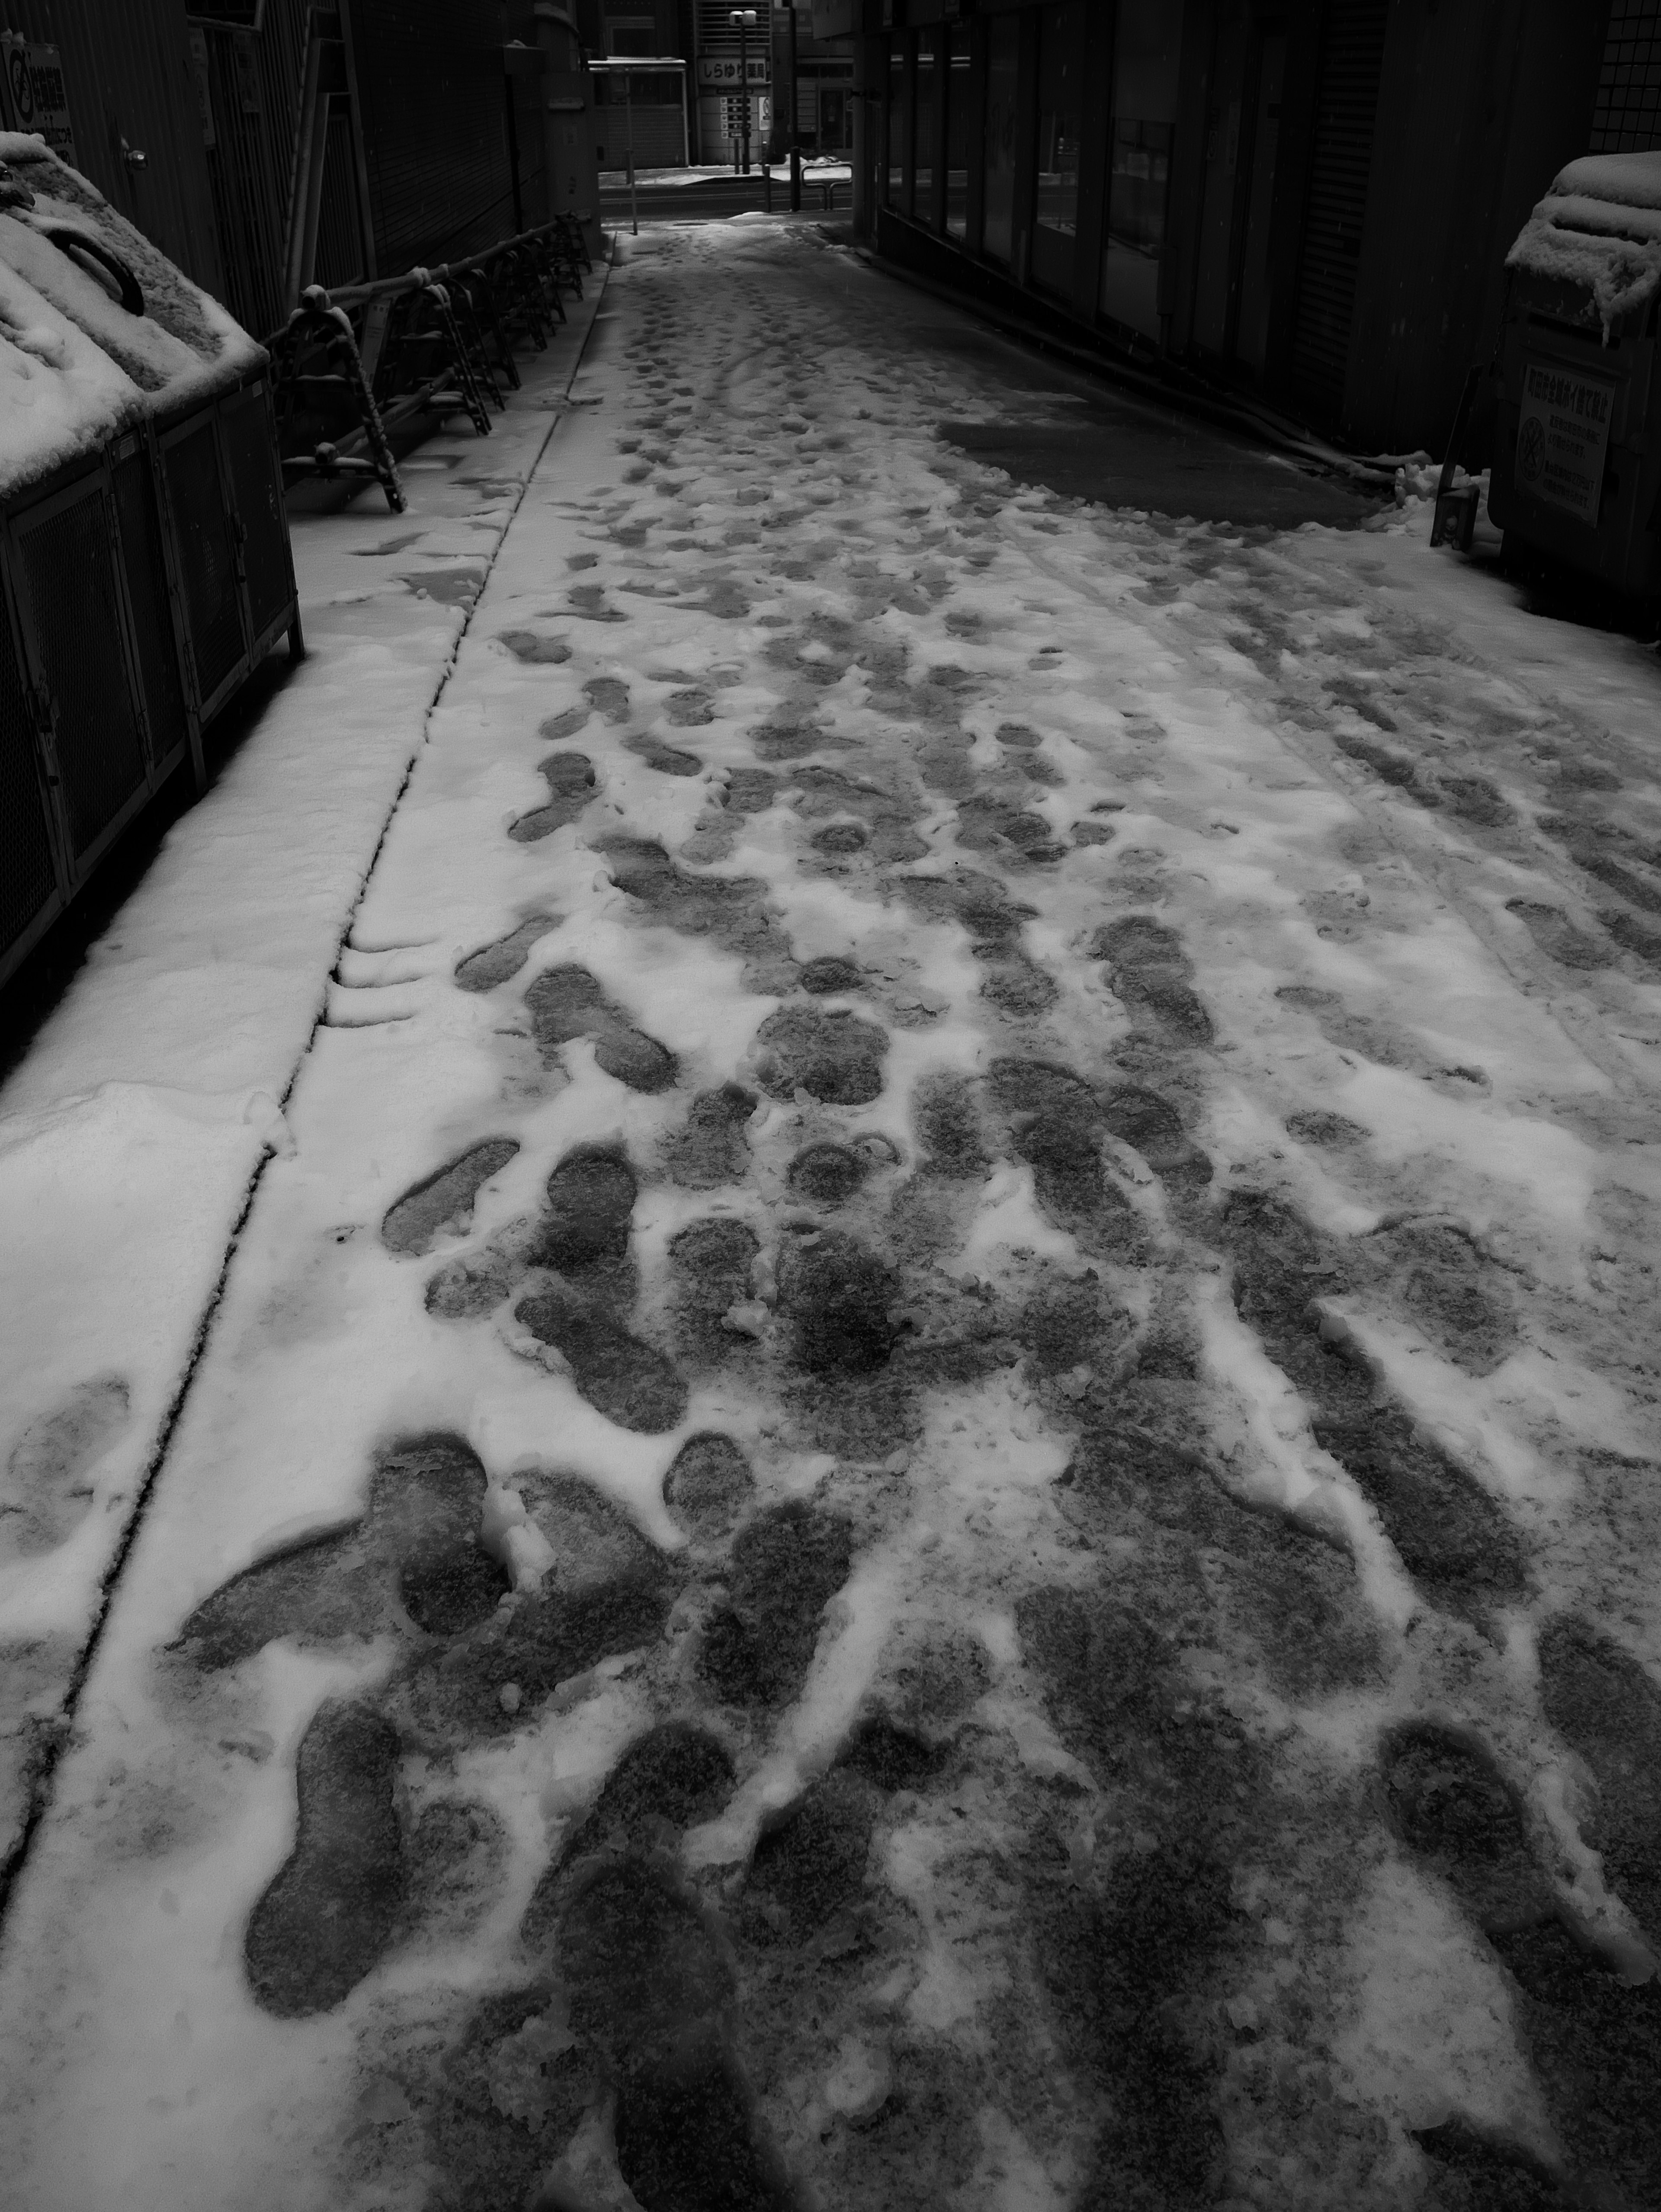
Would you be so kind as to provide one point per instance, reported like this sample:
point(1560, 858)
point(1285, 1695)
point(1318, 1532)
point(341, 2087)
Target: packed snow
point(132, 1133)
point(78, 366)
point(1599, 228)
point(927, 1476)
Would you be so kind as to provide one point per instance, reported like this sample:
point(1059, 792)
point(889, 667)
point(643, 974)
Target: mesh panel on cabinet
point(259, 504)
point(147, 594)
point(69, 562)
point(28, 877)
point(204, 550)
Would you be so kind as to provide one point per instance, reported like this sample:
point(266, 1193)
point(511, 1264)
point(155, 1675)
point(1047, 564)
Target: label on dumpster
point(1563, 436)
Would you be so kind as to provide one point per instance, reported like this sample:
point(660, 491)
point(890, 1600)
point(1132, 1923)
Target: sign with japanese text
point(1563, 436)
point(721, 72)
point(34, 98)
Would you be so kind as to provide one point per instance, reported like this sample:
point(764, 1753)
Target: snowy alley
point(925, 1476)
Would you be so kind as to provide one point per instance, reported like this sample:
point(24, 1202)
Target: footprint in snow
point(445, 1198)
point(833, 1056)
point(571, 780)
point(362, 1875)
point(536, 651)
point(710, 1148)
point(666, 759)
point(566, 1003)
point(47, 1492)
point(493, 964)
point(609, 697)
point(1593, 2035)
point(621, 1375)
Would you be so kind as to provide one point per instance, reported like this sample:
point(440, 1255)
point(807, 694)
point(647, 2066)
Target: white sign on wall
point(721, 72)
point(34, 98)
point(1563, 436)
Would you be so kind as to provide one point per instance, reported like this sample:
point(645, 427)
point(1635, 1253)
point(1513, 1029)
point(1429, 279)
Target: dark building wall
point(417, 142)
point(428, 82)
point(129, 75)
point(1310, 199)
point(1479, 106)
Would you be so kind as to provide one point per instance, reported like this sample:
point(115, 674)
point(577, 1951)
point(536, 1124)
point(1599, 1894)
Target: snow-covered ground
point(927, 1476)
point(131, 1137)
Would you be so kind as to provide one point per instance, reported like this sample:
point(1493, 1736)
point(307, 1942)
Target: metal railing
point(352, 367)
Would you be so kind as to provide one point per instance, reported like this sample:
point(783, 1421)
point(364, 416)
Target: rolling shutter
point(1346, 102)
point(430, 88)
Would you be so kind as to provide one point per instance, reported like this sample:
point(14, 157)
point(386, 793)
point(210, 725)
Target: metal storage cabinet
point(1577, 462)
point(1612, 535)
point(31, 893)
point(207, 560)
point(140, 595)
point(75, 638)
point(144, 562)
point(248, 428)
point(224, 489)
point(171, 722)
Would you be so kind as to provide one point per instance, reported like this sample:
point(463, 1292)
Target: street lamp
point(744, 20)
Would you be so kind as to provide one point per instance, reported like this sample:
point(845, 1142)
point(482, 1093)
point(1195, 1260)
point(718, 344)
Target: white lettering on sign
point(1562, 438)
point(35, 99)
point(722, 70)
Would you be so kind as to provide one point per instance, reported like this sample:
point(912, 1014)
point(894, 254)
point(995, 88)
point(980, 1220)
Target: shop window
point(1003, 43)
point(1060, 108)
point(1147, 53)
point(899, 123)
point(958, 122)
point(923, 202)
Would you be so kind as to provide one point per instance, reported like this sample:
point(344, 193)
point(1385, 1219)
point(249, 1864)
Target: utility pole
point(743, 21)
point(795, 131)
point(634, 196)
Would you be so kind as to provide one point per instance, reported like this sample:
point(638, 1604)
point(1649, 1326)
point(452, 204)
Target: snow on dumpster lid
point(77, 365)
point(1599, 228)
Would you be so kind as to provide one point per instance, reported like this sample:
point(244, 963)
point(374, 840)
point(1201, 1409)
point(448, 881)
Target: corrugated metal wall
point(429, 83)
point(215, 111)
point(1346, 103)
point(128, 72)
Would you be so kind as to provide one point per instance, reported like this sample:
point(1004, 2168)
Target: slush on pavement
point(927, 1475)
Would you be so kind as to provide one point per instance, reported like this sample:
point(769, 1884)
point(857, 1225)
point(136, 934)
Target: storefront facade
point(1309, 199)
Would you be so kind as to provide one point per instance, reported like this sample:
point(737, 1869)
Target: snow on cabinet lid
point(1599, 228)
point(80, 360)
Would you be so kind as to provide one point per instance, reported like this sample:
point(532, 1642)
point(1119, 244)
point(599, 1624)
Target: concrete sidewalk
point(132, 1133)
point(927, 1476)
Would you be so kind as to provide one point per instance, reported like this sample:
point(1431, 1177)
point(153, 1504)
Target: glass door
point(1060, 76)
point(1003, 41)
point(1252, 327)
point(923, 200)
point(957, 130)
point(899, 122)
point(1147, 63)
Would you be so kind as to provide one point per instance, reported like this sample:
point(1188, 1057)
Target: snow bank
point(1599, 227)
point(77, 367)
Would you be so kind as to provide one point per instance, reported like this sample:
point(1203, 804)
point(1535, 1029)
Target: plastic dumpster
point(144, 560)
point(1577, 464)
